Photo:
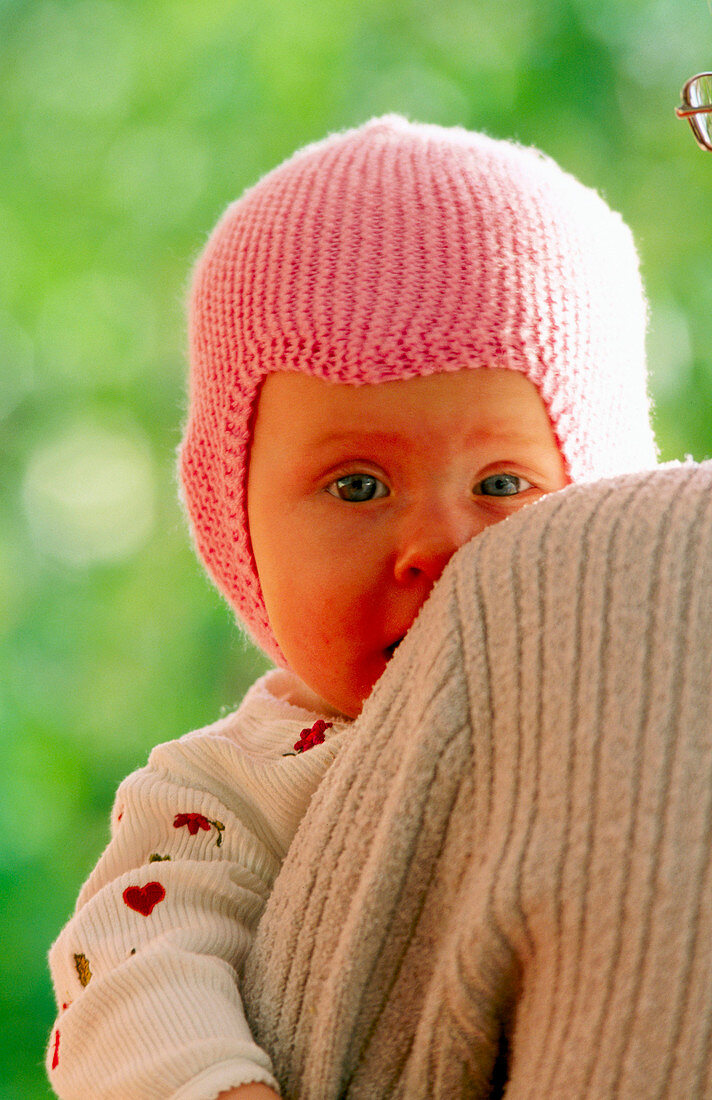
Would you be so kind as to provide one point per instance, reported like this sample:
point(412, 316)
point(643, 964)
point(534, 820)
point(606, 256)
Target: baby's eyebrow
point(503, 433)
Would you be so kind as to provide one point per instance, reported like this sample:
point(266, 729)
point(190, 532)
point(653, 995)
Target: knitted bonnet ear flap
point(396, 250)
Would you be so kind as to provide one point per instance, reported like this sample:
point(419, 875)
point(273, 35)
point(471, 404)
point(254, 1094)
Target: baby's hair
point(396, 250)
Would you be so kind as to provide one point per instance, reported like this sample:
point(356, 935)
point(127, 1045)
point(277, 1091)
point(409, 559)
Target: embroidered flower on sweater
point(199, 821)
point(81, 963)
point(311, 736)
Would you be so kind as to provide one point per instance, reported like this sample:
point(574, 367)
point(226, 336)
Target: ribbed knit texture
point(396, 250)
point(511, 858)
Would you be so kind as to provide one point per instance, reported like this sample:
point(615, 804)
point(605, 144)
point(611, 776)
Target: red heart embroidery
point(144, 899)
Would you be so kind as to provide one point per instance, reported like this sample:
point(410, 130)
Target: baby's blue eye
point(502, 485)
point(357, 488)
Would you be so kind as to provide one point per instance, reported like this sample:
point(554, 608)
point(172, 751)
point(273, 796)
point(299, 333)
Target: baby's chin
point(348, 699)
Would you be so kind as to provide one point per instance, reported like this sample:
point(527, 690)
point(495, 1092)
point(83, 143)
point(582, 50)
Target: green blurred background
point(125, 128)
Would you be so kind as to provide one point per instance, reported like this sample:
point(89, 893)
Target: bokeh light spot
point(89, 495)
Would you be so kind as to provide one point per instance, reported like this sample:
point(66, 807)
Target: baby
point(399, 337)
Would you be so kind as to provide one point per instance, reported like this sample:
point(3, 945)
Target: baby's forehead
point(470, 403)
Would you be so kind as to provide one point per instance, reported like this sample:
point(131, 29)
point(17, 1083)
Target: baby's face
point(358, 496)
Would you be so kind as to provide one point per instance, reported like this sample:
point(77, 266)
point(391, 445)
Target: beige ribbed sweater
point(507, 871)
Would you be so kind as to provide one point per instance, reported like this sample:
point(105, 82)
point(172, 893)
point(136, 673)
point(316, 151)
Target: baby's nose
point(429, 542)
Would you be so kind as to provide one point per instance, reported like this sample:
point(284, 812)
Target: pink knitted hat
point(396, 250)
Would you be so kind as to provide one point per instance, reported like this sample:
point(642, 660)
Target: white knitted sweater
point(145, 972)
point(504, 875)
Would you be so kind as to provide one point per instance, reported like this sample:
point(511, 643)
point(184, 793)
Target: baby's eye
point(356, 488)
point(502, 485)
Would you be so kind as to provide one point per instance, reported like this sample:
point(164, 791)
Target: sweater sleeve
point(147, 971)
